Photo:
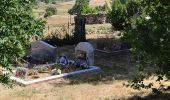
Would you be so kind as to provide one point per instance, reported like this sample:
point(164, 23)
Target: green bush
point(79, 6)
point(121, 14)
point(50, 11)
point(88, 10)
point(83, 7)
point(17, 28)
point(45, 1)
point(133, 7)
point(117, 15)
point(47, 14)
point(150, 39)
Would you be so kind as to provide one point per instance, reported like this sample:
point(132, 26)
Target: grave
point(45, 72)
point(85, 51)
point(42, 53)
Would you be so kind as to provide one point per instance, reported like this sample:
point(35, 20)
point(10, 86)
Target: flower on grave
point(56, 72)
point(21, 72)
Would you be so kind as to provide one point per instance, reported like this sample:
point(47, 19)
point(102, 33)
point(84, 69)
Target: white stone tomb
point(88, 50)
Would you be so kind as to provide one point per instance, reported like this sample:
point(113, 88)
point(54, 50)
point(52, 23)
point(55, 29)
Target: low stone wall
point(96, 18)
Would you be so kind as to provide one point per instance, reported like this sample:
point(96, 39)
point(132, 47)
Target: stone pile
point(96, 18)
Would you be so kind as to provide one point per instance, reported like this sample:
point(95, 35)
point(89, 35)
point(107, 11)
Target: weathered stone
point(85, 51)
point(96, 18)
point(41, 53)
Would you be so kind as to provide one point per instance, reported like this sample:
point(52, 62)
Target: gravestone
point(80, 33)
point(42, 53)
point(86, 51)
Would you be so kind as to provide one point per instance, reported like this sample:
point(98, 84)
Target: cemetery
point(43, 64)
point(84, 50)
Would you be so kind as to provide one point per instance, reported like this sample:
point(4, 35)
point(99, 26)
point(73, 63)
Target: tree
point(17, 27)
point(79, 6)
point(117, 15)
point(150, 38)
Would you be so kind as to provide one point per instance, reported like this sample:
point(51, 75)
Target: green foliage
point(47, 14)
point(45, 1)
point(87, 10)
point(117, 15)
point(122, 13)
point(53, 10)
point(78, 7)
point(151, 38)
point(50, 11)
point(82, 6)
point(17, 27)
point(133, 7)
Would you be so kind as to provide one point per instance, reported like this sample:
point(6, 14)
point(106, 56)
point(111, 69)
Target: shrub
point(50, 11)
point(17, 27)
point(84, 8)
point(133, 7)
point(117, 15)
point(45, 1)
point(47, 14)
point(87, 10)
point(54, 2)
point(78, 7)
point(121, 14)
point(150, 39)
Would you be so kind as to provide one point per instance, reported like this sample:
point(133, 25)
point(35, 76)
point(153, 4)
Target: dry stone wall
point(96, 18)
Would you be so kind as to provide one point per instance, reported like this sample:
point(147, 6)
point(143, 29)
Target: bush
point(79, 6)
point(50, 11)
point(45, 1)
point(121, 14)
point(150, 39)
point(88, 10)
point(54, 2)
point(117, 15)
point(133, 7)
point(47, 14)
point(84, 8)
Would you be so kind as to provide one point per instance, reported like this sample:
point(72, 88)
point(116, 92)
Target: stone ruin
point(100, 18)
point(86, 51)
point(42, 53)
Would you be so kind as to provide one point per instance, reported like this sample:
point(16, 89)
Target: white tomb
point(87, 51)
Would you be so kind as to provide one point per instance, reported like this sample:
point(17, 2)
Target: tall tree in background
point(17, 27)
point(79, 6)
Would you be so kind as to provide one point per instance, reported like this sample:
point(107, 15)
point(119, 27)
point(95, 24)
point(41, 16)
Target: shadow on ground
point(163, 96)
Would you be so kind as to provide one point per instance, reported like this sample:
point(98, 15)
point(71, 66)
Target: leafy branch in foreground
point(17, 27)
point(150, 37)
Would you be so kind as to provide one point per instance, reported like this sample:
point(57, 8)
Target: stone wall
point(96, 18)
